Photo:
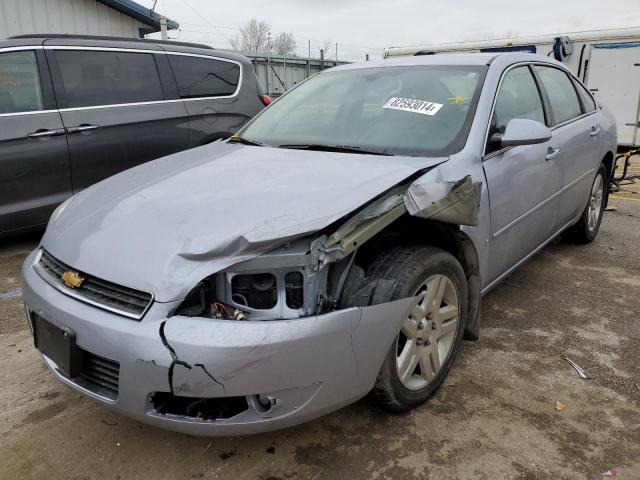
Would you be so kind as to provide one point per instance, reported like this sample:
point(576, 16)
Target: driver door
point(523, 181)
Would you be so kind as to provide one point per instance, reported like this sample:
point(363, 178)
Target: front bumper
point(306, 367)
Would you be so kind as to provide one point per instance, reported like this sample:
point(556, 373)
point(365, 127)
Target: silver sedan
point(339, 244)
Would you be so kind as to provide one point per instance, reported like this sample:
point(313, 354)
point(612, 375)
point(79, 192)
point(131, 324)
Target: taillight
point(266, 100)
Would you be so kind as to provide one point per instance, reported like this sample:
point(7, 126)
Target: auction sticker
point(411, 105)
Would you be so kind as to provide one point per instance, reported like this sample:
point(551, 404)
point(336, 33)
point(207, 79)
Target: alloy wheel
point(428, 334)
point(595, 203)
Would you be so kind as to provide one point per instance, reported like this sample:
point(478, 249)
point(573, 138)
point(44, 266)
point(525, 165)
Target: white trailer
point(607, 61)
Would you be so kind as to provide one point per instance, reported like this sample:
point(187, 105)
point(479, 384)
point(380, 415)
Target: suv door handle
point(552, 153)
point(46, 133)
point(595, 131)
point(82, 128)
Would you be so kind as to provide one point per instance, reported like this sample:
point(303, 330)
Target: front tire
point(424, 350)
point(586, 230)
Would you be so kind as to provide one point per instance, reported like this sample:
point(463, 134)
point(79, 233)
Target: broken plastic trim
point(219, 408)
point(176, 361)
point(447, 202)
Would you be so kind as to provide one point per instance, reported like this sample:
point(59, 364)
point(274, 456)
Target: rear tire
point(586, 230)
point(423, 352)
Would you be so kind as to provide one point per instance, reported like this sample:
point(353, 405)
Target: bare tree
point(328, 46)
point(253, 37)
point(284, 44)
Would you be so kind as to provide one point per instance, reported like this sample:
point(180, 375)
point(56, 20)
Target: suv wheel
point(424, 350)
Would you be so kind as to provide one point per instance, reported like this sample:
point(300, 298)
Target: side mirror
point(521, 131)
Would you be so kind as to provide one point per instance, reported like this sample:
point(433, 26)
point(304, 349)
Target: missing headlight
point(294, 289)
point(258, 290)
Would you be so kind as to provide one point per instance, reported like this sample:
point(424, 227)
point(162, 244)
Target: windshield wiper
point(245, 141)
point(336, 148)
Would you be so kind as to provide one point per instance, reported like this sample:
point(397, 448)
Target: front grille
point(101, 293)
point(99, 375)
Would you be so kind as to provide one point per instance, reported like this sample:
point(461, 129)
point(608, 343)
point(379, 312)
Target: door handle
point(82, 128)
point(46, 133)
point(595, 131)
point(552, 153)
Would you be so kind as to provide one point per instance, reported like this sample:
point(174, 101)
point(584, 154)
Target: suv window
point(562, 96)
point(204, 77)
point(518, 98)
point(588, 104)
point(19, 83)
point(92, 78)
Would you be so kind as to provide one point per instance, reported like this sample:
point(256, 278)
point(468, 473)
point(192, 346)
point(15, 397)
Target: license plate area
point(58, 343)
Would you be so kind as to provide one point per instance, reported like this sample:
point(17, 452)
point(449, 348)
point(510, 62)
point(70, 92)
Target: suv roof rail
point(120, 39)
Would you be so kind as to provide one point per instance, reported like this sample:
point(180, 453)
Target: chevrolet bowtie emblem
point(72, 279)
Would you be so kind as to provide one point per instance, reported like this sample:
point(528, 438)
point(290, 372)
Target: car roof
point(120, 42)
point(447, 59)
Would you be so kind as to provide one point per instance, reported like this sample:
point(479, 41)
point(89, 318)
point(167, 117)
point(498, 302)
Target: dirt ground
point(494, 417)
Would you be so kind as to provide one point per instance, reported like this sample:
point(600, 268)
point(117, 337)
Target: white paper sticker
point(411, 105)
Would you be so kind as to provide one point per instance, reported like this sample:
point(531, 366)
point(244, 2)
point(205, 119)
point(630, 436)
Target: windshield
point(408, 110)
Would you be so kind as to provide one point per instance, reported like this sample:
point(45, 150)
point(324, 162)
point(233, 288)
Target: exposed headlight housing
point(283, 284)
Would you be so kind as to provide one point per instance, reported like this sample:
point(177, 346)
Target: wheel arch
point(448, 237)
point(609, 163)
point(607, 160)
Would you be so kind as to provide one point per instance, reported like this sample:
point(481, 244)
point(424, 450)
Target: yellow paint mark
point(457, 100)
point(624, 198)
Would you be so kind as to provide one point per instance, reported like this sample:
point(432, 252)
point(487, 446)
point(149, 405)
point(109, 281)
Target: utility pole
point(268, 63)
point(336, 52)
point(163, 27)
point(309, 61)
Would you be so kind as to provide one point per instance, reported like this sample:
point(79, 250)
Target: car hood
point(163, 226)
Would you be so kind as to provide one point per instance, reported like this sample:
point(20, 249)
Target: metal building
point(279, 73)
point(119, 18)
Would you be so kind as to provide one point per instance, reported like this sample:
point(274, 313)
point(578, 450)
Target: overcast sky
point(368, 26)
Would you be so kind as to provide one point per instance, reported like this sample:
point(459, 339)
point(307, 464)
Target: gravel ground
point(493, 418)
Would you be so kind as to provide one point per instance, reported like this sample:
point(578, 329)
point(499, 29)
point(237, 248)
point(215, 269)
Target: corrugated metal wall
point(278, 74)
point(87, 17)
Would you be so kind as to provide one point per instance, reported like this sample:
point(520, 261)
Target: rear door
point(523, 181)
point(34, 161)
point(209, 87)
point(576, 132)
point(118, 107)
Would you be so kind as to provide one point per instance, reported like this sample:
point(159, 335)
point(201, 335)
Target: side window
point(92, 78)
point(518, 98)
point(19, 83)
point(588, 103)
point(562, 96)
point(203, 77)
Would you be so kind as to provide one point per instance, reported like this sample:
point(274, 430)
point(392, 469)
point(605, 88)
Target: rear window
point(19, 83)
point(564, 100)
point(588, 103)
point(92, 78)
point(204, 77)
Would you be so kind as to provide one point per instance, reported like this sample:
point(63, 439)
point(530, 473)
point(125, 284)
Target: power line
point(235, 29)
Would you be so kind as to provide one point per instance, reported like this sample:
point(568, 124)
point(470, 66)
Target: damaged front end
point(261, 339)
point(299, 330)
point(306, 276)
